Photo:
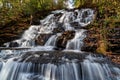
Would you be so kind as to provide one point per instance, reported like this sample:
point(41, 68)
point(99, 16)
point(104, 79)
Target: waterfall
point(77, 42)
point(65, 70)
point(1, 64)
point(27, 59)
point(51, 41)
point(70, 4)
point(63, 19)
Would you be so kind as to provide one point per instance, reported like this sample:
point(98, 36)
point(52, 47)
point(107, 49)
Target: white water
point(86, 70)
point(77, 42)
point(70, 4)
point(66, 3)
point(67, 19)
point(89, 68)
point(52, 40)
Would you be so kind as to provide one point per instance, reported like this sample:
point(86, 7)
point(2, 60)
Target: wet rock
point(115, 58)
point(76, 25)
point(114, 39)
point(7, 37)
point(94, 36)
point(35, 77)
point(90, 42)
point(42, 38)
point(89, 48)
point(59, 29)
point(63, 39)
point(59, 57)
point(85, 14)
point(13, 44)
point(114, 48)
point(35, 22)
point(55, 57)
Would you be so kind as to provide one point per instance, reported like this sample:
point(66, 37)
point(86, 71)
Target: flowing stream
point(24, 59)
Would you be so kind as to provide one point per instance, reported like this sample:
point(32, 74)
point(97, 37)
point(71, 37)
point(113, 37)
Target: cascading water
point(70, 4)
point(52, 40)
point(77, 42)
point(41, 66)
point(62, 18)
point(28, 61)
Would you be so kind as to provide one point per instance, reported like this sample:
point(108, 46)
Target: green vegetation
point(12, 9)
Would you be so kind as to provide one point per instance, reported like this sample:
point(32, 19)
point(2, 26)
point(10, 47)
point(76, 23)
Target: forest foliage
point(12, 9)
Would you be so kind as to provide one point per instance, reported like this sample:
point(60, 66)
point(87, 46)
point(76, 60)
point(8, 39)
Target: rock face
point(35, 22)
point(12, 31)
point(42, 38)
point(47, 56)
point(91, 41)
point(59, 29)
point(114, 40)
point(13, 44)
point(115, 58)
point(54, 56)
point(62, 40)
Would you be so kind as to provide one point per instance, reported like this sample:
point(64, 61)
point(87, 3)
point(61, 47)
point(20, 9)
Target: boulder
point(58, 29)
point(91, 41)
point(42, 38)
point(13, 44)
point(63, 39)
point(35, 22)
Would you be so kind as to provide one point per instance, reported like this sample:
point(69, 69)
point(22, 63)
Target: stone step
point(114, 41)
point(113, 36)
point(91, 40)
point(112, 45)
point(114, 33)
point(116, 54)
point(115, 29)
point(114, 48)
point(12, 48)
point(118, 51)
point(113, 20)
point(115, 57)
